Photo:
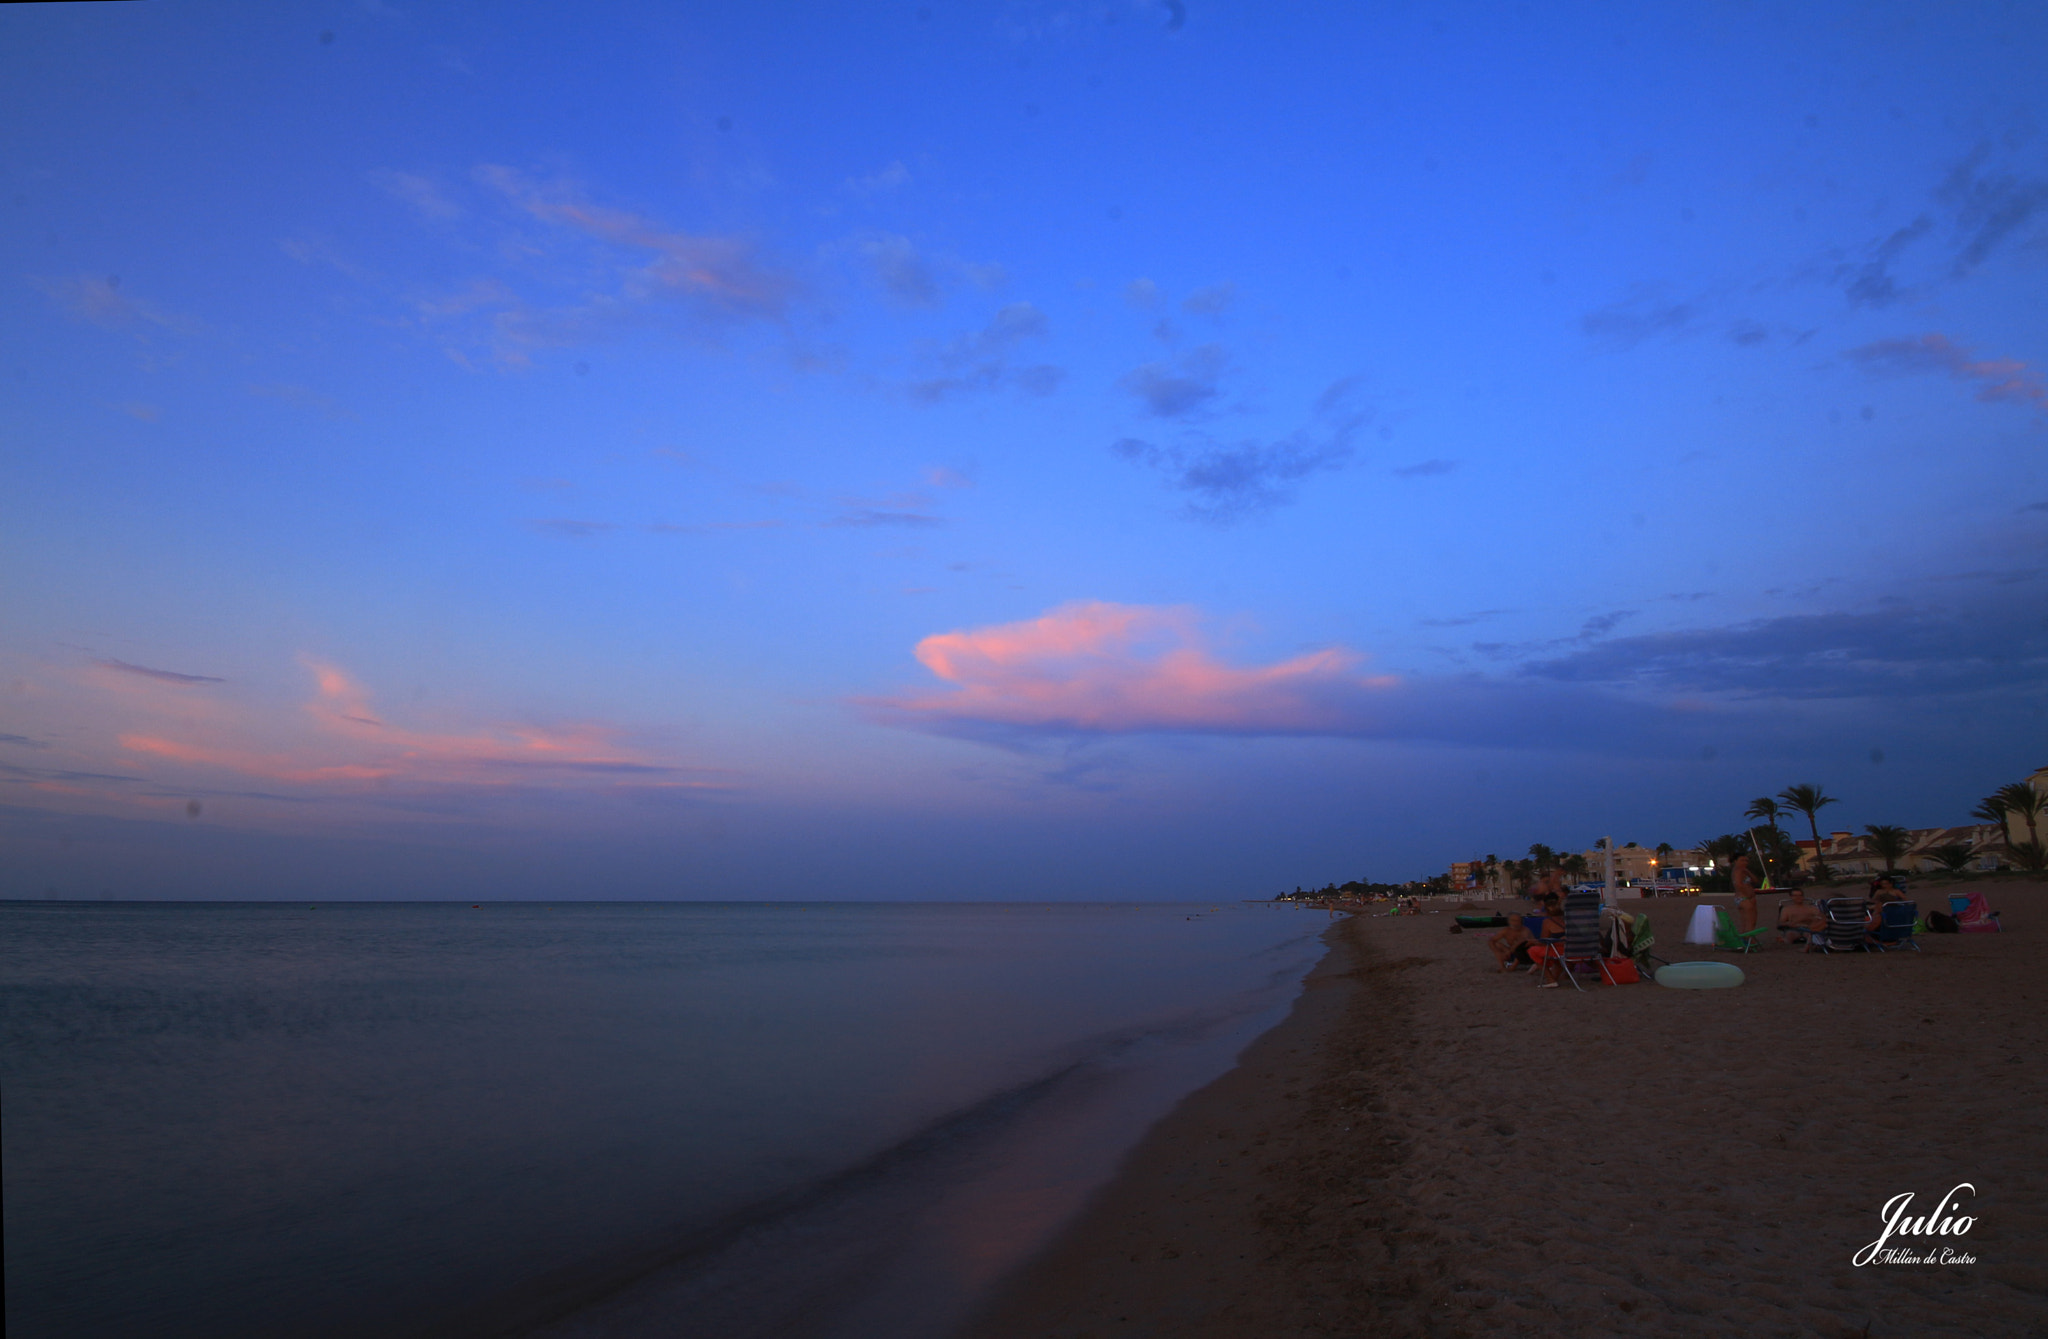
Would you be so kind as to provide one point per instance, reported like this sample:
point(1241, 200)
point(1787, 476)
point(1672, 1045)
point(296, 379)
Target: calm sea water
point(586, 1120)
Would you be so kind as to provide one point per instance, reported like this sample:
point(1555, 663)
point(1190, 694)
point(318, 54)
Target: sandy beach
point(1428, 1147)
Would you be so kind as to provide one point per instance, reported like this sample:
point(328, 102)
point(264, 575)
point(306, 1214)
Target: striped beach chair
point(1580, 948)
point(1848, 925)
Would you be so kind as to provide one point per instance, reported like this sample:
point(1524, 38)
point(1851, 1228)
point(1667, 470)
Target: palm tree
point(1890, 841)
point(2023, 800)
point(1765, 808)
point(1954, 858)
point(1542, 855)
point(1574, 866)
point(1810, 800)
point(1991, 809)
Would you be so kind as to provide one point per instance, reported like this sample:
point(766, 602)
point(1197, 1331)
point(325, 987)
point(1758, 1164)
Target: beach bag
point(1941, 923)
point(1623, 971)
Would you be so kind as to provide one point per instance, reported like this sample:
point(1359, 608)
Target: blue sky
point(1004, 449)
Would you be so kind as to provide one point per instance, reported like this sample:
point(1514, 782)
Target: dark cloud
point(1749, 333)
point(1176, 388)
point(160, 675)
point(31, 775)
point(1991, 208)
point(1870, 283)
point(23, 741)
point(980, 361)
point(1425, 469)
point(1893, 654)
point(1230, 480)
point(1601, 624)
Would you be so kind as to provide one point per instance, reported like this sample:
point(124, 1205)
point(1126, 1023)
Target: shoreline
point(1424, 1146)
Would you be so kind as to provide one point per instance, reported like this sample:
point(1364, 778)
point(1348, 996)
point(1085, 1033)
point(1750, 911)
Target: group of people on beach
point(1799, 921)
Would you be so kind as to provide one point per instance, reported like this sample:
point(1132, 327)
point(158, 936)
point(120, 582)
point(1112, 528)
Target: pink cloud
point(1117, 669)
point(356, 744)
point(2000, 380)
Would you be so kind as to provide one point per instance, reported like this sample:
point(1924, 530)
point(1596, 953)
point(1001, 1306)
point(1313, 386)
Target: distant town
point(2006, 836)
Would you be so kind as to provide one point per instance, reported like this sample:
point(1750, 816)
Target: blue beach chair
point(1896, 929)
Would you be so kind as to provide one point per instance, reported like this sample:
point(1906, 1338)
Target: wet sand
point(1428, 1147)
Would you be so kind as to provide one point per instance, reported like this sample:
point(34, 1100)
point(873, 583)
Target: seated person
point(1883, 890)
point(1511, 946)
point(1550, 955)
point(1798, 916)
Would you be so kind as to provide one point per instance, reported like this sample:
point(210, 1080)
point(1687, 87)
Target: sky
point(1004, 450)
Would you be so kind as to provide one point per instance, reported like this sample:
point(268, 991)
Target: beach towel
point(1977, 914)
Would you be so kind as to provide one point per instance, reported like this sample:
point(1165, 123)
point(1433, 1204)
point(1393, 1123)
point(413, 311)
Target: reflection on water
point(598, 1120)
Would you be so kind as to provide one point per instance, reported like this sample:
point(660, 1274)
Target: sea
point(585, 1120)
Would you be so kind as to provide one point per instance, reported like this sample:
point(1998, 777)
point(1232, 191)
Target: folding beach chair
point(1580, 949)
point(1896, 929)
point(1727, 937)
point(1641, 939)
point(1976, 913)
point(1848, 925)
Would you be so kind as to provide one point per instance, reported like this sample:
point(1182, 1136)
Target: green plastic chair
point(1727, 937)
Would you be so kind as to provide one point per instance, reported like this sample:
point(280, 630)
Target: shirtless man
point(1511, 946)
point(1796, 913)
point(1745, 895)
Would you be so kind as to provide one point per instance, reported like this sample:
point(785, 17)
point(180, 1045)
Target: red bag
point(1622, 971)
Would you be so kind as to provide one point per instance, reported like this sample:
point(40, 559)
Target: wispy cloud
point(886, 179)
point(1992, 208)
point(2000, 380)
point(1869, 282)
point(901, 271)
point(302, 397)
point(870, 517)
point(572, 529)
point(158, 675)
point(423, 193)
point(1896, 653)
point(99, 300)
point(982, 360)
point(1644, 314)
point(725, 276)
point(1101, 668)
point(355, 744)
point(1427, 469)
point(1230, 480)
point(1176, 388)
point(1212, 300)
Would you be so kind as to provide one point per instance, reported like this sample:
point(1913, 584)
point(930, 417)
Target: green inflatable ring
point(1699, 975)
